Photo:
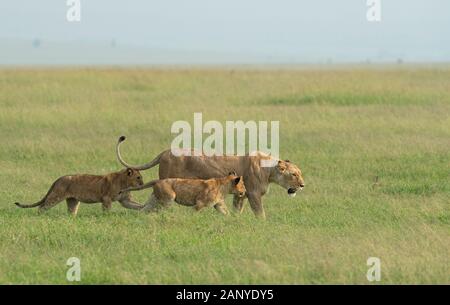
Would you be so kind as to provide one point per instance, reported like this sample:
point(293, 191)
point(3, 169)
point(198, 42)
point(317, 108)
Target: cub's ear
point(236, 180)
point(287, 161)
point(232, 173)
point(129, 171)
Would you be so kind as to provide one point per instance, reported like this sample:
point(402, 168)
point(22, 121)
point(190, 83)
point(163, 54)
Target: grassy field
point(343, 127)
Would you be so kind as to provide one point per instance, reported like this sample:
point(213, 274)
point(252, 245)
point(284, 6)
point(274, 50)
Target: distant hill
point(41, 52)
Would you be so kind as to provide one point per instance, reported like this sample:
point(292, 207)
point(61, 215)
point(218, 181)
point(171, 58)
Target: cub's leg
point(155, 204)
point(51, 200)
point(221, 208)
point(163, 194)
point(152, 204)
point(128, 203)
point(199, 204)
point(106, 204)
point(238, 203)
point(72, 206)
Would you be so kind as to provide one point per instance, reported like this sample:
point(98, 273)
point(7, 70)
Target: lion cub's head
point(237, 184)
point(133, 177)
point(289, 176)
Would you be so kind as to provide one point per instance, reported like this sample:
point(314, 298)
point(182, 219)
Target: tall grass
point(373, 145)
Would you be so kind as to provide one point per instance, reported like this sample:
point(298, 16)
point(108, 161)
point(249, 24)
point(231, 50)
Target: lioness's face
point(238, 187)
point(134, 177)
point(289, 176)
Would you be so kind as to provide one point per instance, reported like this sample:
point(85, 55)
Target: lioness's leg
point(72, 206)
point(128, 203)
point(256, 205)
point(221, 208)
point(238, 203)
point(106, 204)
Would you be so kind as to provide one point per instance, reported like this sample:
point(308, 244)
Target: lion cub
point(91, 189)
point(193, 192)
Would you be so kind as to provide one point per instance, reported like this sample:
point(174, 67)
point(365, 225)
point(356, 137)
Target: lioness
point(192, 192)
point(256, 177)
point(91, 189)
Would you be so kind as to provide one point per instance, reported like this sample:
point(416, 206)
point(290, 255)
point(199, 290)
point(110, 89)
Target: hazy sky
point(416, 30)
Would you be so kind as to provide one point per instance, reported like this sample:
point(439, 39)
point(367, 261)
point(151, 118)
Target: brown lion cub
point(192, 192)
point(91, 189)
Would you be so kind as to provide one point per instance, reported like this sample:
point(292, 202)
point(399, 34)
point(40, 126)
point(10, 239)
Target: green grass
point(344, 128)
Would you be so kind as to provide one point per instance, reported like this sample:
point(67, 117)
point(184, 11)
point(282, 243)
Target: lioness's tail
point(138, 167)
point(40, 202)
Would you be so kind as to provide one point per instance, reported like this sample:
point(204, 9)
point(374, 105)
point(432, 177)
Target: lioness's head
point(133, 177)
point(289, 176)
point(237, 184)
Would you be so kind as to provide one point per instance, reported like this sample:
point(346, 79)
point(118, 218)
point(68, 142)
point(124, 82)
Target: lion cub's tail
point(26, 206)
point(144, 186)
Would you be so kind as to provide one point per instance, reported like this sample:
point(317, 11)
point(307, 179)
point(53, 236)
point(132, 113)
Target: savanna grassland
point(373, 144)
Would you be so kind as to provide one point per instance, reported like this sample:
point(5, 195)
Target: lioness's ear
point(236, 180)
point(281, 166)
point(129, 171)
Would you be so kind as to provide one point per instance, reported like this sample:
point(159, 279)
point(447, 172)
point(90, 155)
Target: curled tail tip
point(122, 138)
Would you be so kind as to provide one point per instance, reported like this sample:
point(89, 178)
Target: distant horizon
point(18, 52)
